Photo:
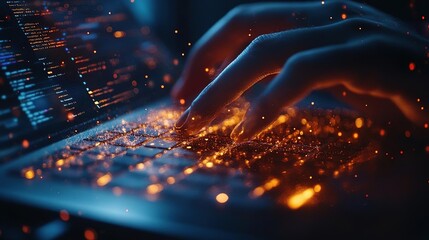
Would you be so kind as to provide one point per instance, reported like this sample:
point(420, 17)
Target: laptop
point(88, 147)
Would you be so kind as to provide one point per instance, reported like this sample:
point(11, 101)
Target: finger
point(228, 37)
point(266, 56)
point(363, 66)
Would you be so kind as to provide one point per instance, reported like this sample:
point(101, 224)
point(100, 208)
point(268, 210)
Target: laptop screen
point(65, 62)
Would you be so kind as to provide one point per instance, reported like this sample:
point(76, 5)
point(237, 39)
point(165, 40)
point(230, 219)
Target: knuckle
point(359, 22)
point(297, 65)
point(239, 13)
point(261, 44)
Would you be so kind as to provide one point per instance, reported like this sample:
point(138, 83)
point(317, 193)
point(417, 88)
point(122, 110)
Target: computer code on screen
point(63, 61)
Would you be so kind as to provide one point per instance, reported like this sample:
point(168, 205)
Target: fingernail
point(182, 120)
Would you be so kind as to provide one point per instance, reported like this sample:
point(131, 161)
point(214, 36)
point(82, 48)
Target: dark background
point(194, 17)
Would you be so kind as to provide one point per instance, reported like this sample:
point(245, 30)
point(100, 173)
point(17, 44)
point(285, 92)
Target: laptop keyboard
point(149, 159)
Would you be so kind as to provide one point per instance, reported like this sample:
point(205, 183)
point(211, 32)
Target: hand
point(307, 46)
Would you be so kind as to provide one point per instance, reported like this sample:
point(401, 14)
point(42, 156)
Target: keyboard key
point(148, 132)
point(144, 152)
point(103, 137)
point(72, 174)
point(202, 179)
point(127, 161)
point(182, 153)
point(125, 128)
point(129, 141)
point(107, 168)
point(178, 191)
point(83, 145)
point(84, 160)
point(161, 143)
point(174, 161)
point(160, 172)
point(62, 154)
point(106, 150)
point(130, 182)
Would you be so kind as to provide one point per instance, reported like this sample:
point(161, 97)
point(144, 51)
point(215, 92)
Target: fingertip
point(255, 121)
point(190, 122)
point(182, 120)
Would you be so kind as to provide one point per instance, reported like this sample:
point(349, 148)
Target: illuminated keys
point(162, 144)
point(129, 141)
point(103, 137)
point(106, 150)
point(144, 152)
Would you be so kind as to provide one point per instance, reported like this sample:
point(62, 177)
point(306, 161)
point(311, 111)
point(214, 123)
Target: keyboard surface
point(289, 163)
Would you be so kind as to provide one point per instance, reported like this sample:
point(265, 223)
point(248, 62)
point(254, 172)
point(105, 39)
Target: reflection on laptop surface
point(72, 71)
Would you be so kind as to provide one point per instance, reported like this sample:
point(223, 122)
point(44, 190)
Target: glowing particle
point(355, 135)
point(140, 166)
point(176, 31)
point(304, 121)
point(171, 180)
point(271, 184)
point(317, 188)
point(359, 122)
point(299, 199)
point(418, 100)
point(412, 66)
point(222, 198)
point(382, 132)
point(336, 173)
point(343, 16)
point(323, 2)
point(407, 134)
point(209, 164)
point(119, 34)
point(340, 134)
point(154, 188)
point(175, 62)
point(60, 163)
point(376, 151)
point(29, 174)
point(426, 125)
point(193, 118)
point(344, 93)
point(162, 86)
point(104, 180)
point(25, 229)
point(95, 51)
point(257, 192)
point(183, 54)
point(263, 117)
point(312, 103)
point(25, 143)
point(206, 70)
point(117, 191)
point(188, 171)
point(427, 149)
point(64, 215)
point(90, 234)
point(182, 101)
point(189, 44)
